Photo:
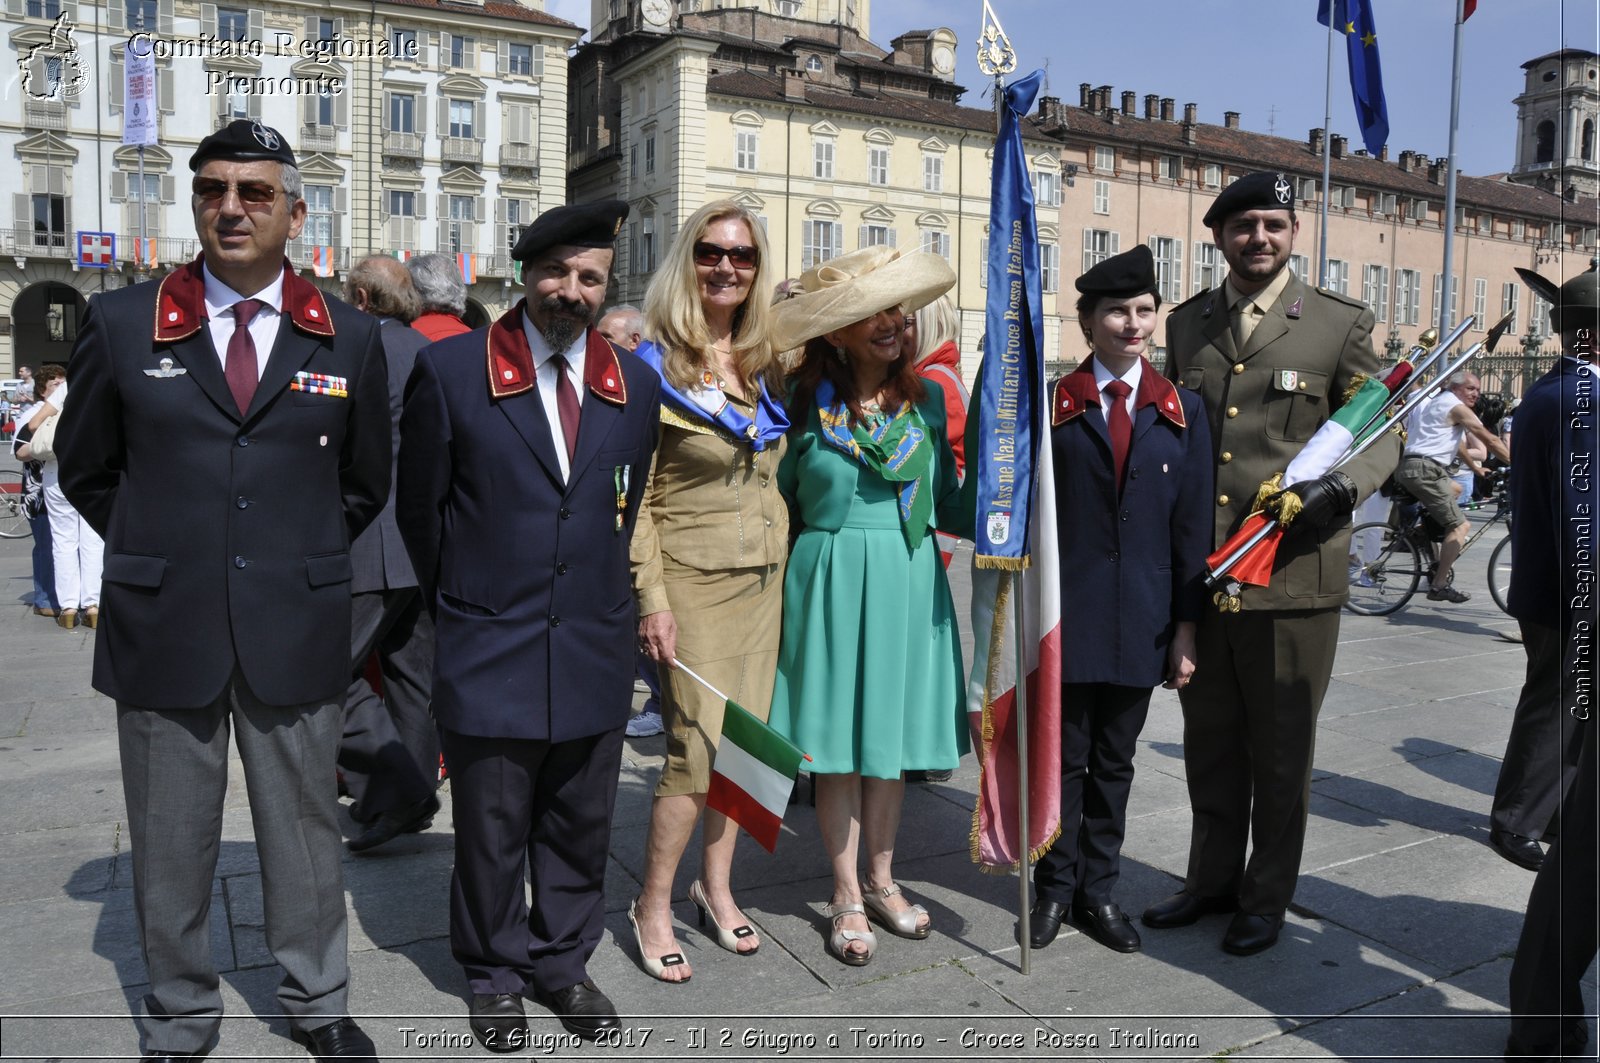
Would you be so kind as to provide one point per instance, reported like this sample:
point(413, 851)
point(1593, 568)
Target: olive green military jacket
point(1264, 403)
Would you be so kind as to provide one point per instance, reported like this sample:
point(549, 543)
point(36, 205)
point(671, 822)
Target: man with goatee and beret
point(523, 457)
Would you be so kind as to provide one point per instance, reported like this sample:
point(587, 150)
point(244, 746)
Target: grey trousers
point(174, 778)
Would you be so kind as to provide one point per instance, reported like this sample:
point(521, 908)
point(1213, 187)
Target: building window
point(937, 242)
point(318, 229)
point(461, 114)
point(650, 153)
point(515, 222)
point(1305, 190)
point(933, 173)
point(1209, 266)
point(1098, 245)
point(644, 246)
point(1102, 197)
point(814, 64)
point(1168, 254)
point(1213, 175)
point(402, 114)
point(1540, 324)
point(789, 8)
point(402, 204)
point(1480, 301)
point(1300, 266)
point(877, 236)
point(1419, 210)
point(44, 9)
point(49, 220)
point(1169, 168)
point(1510, 294)
point(1485, 223)
point(1338, 276)
point(403, 43)
point(1049, 267)
point(458, 224)
point(1105, 159)
point(1375, 290)
point(744, 150)
point(877, 166)
point(1544, 149)
point(460, 51)
point(141, 14)
point(819, 242)
point(519, 60)
point(822, 160)
point(1455, 298)
point(1407, 297)
point(1047, 188)
point(233, 24)
point(324, 108)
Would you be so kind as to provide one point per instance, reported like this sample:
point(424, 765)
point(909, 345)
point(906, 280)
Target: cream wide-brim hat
point(853, 287)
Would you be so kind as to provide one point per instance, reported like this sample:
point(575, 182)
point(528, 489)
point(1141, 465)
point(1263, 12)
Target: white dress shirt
point(263, 327)
point(544, 376)
point(1104, 376)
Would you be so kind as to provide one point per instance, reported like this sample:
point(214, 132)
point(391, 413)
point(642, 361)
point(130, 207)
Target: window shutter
point(341, 199)
point(478, 128)
point(253, 107)
point(169, 188)
point(66, 226)
point(208, 19)
point(388, 112)
point(308, 110)
point(442, 243)
point(117, 82)
point(14, 8)
point(444, 117)
point(21, 214)
point(311, 28)
point(1116, 243)
point(861, 236)
point(503, 58)
point(419, 205)
point(478, 215)
point(116, 15)
point(341, 109)
point(420, 111)
point(119, 186)
point(806, 235)
point(254, 23)
point(58, 180)
point(538, 60)
point(891, 238)
point(164, 17)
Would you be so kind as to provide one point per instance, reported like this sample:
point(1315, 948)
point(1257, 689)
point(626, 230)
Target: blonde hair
point(937, 324)
point(675, 321)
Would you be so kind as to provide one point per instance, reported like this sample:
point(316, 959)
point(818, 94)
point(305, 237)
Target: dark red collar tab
point(181, 303)
point(602, 370)
point(1078, 391)
point(510, 358)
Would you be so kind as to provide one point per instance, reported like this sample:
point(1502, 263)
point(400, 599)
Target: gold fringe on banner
point(1004, 564)
point(1357, 382)
point(1267, 489)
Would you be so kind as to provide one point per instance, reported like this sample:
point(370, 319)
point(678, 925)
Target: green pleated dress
point(869, 666)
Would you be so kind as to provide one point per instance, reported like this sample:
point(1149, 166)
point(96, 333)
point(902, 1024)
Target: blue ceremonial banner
point(1011, 378)
point(1353, 18)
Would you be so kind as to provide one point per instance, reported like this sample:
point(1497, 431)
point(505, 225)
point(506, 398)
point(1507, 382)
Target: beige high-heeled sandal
point(839, 942)
point(903, 923)
point(728, 938)
point(654, 966)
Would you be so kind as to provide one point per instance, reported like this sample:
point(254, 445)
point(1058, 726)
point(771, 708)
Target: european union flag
point(1353, 18)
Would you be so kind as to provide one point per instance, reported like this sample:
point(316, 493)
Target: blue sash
point(706, 403)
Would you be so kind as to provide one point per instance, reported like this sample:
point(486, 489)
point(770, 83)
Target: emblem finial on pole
point(995, 54)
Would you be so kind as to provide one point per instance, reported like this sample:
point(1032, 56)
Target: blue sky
point(1267, 59)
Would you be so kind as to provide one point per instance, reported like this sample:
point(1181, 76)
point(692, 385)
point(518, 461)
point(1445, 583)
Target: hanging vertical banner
point(469, 267)
point(322, 261)
point(139, 113)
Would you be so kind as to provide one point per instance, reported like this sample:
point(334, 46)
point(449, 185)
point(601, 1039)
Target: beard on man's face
point(564, 320)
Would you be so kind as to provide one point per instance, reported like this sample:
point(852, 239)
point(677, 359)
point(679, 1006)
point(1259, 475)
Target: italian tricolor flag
point(753, 775)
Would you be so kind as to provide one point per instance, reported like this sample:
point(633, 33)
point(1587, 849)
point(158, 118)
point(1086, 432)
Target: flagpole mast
point(996, 58)
point(1327, 154)
point(1446, 282)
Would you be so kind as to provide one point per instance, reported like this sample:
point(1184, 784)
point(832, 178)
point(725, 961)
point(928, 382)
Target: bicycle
point(1388, 560)
point(13, 518)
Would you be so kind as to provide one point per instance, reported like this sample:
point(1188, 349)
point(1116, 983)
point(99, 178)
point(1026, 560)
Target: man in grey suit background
point(229, 436)
point(390, 751)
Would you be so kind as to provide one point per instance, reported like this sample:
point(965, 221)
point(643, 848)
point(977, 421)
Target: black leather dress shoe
point(1184, 909)
point(1044, 922)
point(498, 1021)
point(1107, 924)
point(1524, 852)
point(1249, 934)
point(340, 1039)
point(582, 1009)
point(390, 825)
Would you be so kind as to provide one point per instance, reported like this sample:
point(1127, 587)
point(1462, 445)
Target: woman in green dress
point(869, 666)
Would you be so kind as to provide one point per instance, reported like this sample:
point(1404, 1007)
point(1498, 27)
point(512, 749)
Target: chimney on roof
point(1408, 161)
point(1230, 119)
point(1105, 98)
point(1191, 113)
point(1437, 170)
point(794, 84)
point(1152, 106)
point(1571, 194)
point(1166, 108)
point(1315, 140)
point(1050, 112)
point(1129, 104)
point(1337, 148)
point(1083, 94)
point(1383, 153)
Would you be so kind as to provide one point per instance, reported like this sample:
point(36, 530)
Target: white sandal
point(839, 942)
point(902, 923)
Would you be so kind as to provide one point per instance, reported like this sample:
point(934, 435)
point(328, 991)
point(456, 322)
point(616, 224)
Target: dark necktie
point(240, 367)
point(566, 405)
point(1119, 425)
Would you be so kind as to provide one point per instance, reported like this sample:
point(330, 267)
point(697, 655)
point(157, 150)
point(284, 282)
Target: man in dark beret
point(1271, 358)
point(228, 434)
point(524, 451)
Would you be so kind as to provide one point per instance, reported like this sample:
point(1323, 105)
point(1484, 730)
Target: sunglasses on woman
point(709, 254)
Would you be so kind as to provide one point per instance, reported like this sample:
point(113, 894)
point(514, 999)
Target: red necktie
point(1120, 426)
point(566, 405)
point(240, 368)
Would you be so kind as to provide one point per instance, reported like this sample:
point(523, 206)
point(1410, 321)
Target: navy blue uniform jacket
point(1538, 468)
point(1130, 566)
point(527, 578)
point(227, 535)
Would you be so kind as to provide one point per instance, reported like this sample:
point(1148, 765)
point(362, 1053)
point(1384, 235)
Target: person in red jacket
point(930, 337)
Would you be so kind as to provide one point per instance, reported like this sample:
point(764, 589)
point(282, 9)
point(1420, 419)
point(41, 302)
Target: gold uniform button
point(1238, 369)
point(1222, 500)
point(1227, 456)
point(1233, 411)
point(1302, 385)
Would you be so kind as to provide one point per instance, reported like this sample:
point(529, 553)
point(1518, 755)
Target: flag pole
point(1446, 282)
point(1327, 155)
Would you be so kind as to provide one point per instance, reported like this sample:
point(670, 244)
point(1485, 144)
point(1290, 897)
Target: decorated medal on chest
point(707, 394)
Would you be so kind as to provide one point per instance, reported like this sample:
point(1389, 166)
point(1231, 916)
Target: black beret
point(579, 225)
point(1121, 276)
point(1253, 191)
point(243, 139)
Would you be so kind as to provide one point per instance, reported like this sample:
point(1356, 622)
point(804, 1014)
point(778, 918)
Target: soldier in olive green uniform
point(1271, 359)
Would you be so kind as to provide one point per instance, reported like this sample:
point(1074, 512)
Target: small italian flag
point(1338, 433)
point(753, 773)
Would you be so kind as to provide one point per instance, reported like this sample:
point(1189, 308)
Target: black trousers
point(1560, 933)
point(529, 811)
point(1542, 750)
point(1100, 725)
point(389, 751)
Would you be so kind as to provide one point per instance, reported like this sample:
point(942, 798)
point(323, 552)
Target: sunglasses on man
point(741, 257)
point(251, 193)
